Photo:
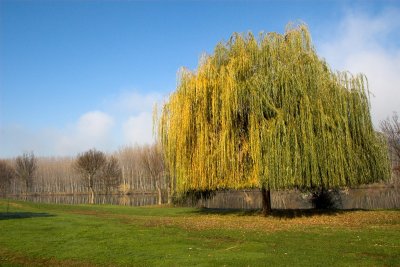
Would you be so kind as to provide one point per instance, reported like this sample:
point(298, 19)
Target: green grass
point(83, 235)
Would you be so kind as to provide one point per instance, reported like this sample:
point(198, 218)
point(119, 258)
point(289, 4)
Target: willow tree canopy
point(269, 112)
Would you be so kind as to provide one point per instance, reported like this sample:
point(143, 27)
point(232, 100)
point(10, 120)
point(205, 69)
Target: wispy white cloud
point(134, 111)
point(134, 102)
point(92, 130)
point(138, 129)
point(365, 43)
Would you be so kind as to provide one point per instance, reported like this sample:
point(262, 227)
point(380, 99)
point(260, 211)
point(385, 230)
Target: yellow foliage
point(270, 112)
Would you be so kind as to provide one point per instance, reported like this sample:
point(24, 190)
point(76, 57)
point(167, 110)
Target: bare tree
point(25, 168)
point(391, 128)
point(111, 175)
point(90, 165)
point(153, 165)
point(7, 173)
point(132, 175)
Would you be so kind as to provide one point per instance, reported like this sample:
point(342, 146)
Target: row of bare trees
point(143, 170)
point(391, 129)
point(138, 169)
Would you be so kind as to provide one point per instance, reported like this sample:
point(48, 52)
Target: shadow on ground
point(23, 215)
point(278, 213)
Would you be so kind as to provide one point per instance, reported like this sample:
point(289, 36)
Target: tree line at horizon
point(138, 169)
point(131, 169)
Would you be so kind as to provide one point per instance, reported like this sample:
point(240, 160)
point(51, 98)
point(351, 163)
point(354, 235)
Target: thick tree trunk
point(266, 201)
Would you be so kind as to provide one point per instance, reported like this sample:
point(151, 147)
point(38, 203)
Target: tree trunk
point(169, 196)
point(266, 201)
point(91, 200)
point(27, 186)
point(159, 194)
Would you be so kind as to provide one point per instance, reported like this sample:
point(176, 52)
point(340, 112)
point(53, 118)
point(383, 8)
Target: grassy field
point(83, 235)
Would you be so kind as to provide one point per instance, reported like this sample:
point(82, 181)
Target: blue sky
point(81, 74)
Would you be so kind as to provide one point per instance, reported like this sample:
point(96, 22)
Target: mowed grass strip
point(84, 235)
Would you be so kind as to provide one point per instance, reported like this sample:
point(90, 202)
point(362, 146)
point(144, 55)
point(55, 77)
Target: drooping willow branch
point(269, 112)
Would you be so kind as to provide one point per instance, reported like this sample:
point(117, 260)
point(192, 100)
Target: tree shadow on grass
point(277, 213)
point(23, 215)
point(297, 213)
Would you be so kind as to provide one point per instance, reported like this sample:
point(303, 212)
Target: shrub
point(326, 199)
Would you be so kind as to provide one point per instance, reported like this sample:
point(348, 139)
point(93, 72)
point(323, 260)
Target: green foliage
point(269, 112)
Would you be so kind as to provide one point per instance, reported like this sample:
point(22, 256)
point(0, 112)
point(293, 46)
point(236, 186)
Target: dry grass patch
point(279, 221)
point(354, 219)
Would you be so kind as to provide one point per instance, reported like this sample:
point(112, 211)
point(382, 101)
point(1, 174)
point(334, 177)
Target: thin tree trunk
point(169, 196)
point(27, 187)
point(91, 200)
point(159, 194)
point(266, 201)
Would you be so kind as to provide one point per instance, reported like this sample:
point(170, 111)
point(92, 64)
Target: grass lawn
point(84, 235)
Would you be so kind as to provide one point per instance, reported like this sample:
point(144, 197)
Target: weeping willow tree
point(269, 113)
